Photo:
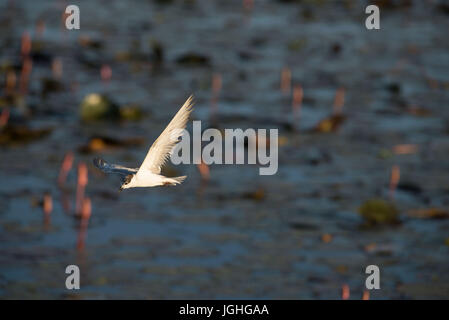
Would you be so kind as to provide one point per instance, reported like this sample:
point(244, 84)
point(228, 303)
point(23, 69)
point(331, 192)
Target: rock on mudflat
point(98, 107)
point(379, 211)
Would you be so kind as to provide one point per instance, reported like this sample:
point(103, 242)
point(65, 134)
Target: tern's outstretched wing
point(113, 168)
point(161, 148)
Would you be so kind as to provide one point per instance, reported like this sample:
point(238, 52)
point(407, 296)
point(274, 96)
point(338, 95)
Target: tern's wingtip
point(189, 103)
point(98, 162)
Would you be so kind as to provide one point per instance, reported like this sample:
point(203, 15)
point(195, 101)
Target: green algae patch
point(378, 212)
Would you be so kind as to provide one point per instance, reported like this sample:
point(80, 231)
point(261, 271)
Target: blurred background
point(363, 149)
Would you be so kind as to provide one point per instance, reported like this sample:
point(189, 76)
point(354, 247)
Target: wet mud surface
point(294, 235)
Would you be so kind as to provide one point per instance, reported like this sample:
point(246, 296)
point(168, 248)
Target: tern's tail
point(173, 181)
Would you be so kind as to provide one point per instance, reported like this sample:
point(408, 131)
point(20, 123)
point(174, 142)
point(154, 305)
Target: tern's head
point(126, 182)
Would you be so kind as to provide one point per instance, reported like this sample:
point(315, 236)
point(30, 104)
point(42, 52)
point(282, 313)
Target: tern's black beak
point(121, 188)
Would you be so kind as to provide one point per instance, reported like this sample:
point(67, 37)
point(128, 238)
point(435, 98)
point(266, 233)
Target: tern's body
point(148, 175)
point(149, 179)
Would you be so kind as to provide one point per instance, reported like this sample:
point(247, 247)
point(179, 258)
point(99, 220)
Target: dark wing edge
point(112, 168)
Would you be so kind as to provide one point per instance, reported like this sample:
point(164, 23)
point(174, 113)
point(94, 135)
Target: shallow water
point(241, 235)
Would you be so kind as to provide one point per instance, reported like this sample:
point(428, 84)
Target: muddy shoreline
point(295, 235)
